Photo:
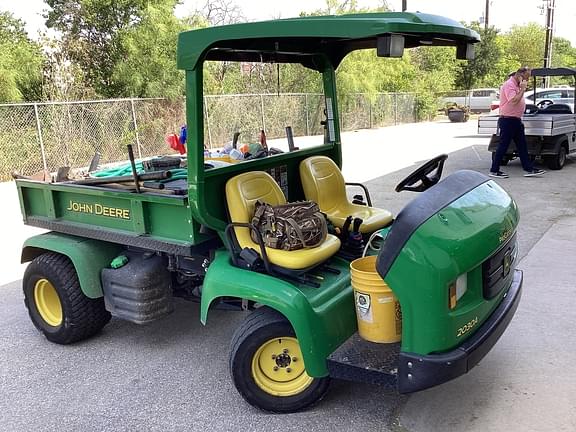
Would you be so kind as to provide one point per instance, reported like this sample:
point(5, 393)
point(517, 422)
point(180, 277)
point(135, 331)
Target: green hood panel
point(455, 241)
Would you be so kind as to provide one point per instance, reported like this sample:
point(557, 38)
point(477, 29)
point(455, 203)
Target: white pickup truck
point(478, 100)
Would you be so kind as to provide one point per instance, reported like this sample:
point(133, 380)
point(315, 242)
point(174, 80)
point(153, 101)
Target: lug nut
point(285, 351)
point(273, 356)
point(294, 359)
point(275, 368)
point(288, 370)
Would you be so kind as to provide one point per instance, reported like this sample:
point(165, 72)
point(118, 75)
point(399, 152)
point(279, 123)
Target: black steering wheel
point(428, 175)
point(543, 104)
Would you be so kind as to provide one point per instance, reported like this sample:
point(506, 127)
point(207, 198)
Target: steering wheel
point(428, 175)
point(543, 104)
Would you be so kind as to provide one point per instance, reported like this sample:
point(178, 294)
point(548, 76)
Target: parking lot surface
point(172, 375)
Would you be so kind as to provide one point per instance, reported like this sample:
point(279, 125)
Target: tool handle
point(346, 227)
point(133, 164)
point(357, 223)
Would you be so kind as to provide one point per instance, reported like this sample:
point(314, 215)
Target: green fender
point(88, 256)
point(322, 318)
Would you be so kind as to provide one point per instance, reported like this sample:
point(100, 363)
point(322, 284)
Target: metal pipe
point(155, 175)
point(133, 165)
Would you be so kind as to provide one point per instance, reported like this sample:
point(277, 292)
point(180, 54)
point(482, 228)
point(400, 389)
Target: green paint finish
point(170, 223)
point(323, 318)
point(166, 218)
point(33, 200)
point(88, 256)
point(137, 216)
point(453, 242)
point(305, 39)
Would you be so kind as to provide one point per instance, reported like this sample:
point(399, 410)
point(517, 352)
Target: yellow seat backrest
point(323, 183)
point(243, 191)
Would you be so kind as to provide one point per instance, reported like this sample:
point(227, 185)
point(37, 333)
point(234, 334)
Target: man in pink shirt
point(512, 106)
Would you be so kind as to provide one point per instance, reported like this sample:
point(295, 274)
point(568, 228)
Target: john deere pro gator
point(125, 245)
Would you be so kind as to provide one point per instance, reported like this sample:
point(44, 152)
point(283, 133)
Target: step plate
point(367, 362)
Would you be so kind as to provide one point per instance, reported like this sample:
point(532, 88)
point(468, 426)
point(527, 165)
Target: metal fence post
point(369, 113)
point(307, 114)
point(395, 109)
point(207, 122)
point(136, 129)
point(262, 111)
point(39, 130)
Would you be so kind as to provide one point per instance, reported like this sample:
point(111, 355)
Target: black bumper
point(417, 372)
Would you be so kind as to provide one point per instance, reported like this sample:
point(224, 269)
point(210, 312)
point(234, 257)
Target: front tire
point(267, 367)
point(56, 304)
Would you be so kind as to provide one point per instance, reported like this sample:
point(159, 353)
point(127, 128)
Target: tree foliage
point(149, 65)
point(127, 48)
point(21, 62)
point(92, 35)
point(488, 54)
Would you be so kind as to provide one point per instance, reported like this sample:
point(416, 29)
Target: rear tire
point(557, 161)
point(56, 304)
point(267, 367)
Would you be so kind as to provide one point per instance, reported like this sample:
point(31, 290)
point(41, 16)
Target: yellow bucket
point(377, 308)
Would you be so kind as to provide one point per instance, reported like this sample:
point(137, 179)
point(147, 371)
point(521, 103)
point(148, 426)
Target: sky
point(503, 13)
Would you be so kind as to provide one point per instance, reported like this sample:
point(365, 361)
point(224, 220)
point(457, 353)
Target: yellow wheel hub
point(47, 302)
point(278, 368)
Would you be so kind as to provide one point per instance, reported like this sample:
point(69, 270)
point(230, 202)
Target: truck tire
point(557, 161)
point(267, 367)
point(56, 304)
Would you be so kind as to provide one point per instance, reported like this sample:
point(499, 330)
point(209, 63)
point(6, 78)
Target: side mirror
point(390, 46)
point(465, 52)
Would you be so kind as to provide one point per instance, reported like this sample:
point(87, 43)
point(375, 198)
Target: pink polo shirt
point(510, 109)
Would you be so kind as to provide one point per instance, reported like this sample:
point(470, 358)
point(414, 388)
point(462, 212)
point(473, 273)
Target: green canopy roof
point(311, 40)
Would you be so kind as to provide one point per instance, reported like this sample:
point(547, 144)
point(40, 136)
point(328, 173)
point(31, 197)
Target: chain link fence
point(46, 136)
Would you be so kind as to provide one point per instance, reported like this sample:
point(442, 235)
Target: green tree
point(488, 53)
point(526, 44)
point(148, 68)
point(91, 35)
point(21, 62)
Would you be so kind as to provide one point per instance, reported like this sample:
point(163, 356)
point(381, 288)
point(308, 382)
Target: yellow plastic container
point(377, 308)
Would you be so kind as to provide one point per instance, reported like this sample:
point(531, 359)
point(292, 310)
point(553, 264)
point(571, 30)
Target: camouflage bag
point(290, 226)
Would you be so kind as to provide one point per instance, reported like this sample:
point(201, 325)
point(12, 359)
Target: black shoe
point(498, 174)
point(534, 172)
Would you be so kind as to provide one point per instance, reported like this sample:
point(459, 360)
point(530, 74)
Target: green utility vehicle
point(448, 256)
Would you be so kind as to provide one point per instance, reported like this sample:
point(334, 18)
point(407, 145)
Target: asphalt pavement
point(172, 375)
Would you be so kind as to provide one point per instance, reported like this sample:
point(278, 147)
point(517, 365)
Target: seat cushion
point(242, 192)
point(322, 182)
point(373, 218)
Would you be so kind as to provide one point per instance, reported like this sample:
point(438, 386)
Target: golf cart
point(121, 246)
point(550, 127)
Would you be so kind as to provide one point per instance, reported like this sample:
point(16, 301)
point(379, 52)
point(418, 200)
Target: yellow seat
point(242, 192)
point(323, 183)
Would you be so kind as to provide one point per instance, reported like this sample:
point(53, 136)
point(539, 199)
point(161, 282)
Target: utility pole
point(486, 14)
point(550, 6)
point(404, 5)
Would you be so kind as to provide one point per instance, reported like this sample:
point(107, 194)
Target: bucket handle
point(375, 234)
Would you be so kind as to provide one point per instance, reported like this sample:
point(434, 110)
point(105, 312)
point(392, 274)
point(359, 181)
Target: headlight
point(457, 289)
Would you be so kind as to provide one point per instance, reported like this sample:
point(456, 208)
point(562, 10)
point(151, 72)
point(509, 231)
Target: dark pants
point(511, 128)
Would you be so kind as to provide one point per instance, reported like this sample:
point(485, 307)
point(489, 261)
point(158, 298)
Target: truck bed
point(535, 124)
point(148, 220)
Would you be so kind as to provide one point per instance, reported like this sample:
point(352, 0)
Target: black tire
point(255, 334)
point(71, 316)
point(557, 161)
